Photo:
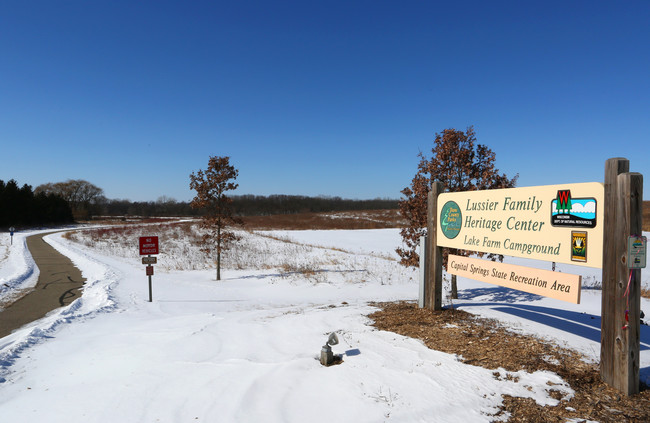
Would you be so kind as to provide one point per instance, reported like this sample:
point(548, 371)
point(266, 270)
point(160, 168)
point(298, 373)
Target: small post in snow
point(423, 269)
point(11, 235)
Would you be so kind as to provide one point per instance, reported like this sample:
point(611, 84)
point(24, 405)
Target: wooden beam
point(628, 286)
point(433, 280)
point(613, 168)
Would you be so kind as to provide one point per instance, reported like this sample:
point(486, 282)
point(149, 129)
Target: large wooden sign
point(560, 223)
point(558, 285)
point(589, 224)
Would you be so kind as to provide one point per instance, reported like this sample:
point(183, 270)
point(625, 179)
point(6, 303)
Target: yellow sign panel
point(558, 285)
point(561, 223)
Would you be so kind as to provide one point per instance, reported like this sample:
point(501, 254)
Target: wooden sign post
point(433, 276)
point(621, 292)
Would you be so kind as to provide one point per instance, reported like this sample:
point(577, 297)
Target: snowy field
point(246, 349)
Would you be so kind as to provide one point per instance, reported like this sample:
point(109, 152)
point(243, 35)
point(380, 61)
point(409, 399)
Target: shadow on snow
point(507, 301)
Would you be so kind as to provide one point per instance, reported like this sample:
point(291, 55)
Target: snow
point(246, 349)
point(17, 271)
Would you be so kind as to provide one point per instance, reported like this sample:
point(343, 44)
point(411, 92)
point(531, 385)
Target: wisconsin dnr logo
point(579, 246)
point(451, 219)
point(573, 212)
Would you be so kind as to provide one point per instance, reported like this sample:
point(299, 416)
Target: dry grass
point(133, 229)
point(365, 219)
point(124, 220)
point(362, 219)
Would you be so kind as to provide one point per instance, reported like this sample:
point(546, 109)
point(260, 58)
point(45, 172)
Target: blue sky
point(317, 97)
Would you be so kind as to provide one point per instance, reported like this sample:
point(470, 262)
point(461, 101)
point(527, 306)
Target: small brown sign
point(149, 260)
point(149, 270)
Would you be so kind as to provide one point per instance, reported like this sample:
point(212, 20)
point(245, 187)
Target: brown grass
point(366, 219)
point(132, 228)
point(363, 219)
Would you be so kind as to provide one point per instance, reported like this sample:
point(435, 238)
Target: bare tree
point(460, 165)
point(210, 186)
point(81, 195)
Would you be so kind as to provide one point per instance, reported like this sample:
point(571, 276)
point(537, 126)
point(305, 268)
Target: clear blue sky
point(317, 97)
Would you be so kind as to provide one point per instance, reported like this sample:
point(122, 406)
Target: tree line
point(82, 196)
point(243, 205)
point(78, 200)
point(22, 207)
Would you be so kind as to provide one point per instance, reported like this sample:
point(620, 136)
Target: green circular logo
point(451, 219)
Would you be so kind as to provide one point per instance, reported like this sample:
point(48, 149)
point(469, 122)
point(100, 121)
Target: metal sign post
point(149, 246)
point(150, 274)
point(11, 234)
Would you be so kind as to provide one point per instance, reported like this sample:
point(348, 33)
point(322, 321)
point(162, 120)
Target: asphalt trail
point(59, 284)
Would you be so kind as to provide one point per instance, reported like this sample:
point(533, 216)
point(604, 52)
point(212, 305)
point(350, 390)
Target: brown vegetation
point(368, 219)
point(131, 230)
point(211, 187)
point(485, 343)
point(460, 164)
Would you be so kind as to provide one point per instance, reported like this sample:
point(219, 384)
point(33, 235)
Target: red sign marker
point(148, 245)
point(149, 270)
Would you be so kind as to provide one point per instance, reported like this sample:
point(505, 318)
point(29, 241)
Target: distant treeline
point(20, 207)
point(244, 205)
point(60, 203)
point(258, 205)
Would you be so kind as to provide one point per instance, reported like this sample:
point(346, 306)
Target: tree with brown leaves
point(461, 165)
point(211, 186)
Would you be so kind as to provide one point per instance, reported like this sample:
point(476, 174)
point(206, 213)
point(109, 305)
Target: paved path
point(58, 285)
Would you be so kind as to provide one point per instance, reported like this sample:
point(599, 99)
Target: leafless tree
point(81, 195)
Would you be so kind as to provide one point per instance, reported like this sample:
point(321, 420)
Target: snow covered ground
point(246, 349)
point(17, 269)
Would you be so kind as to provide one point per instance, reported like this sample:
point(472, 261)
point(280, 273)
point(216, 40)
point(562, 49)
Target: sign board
point(149, 260)
point(636, 252)
point(148, 245)
point(558, 285)
point(149, 270)
point(559, 223)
